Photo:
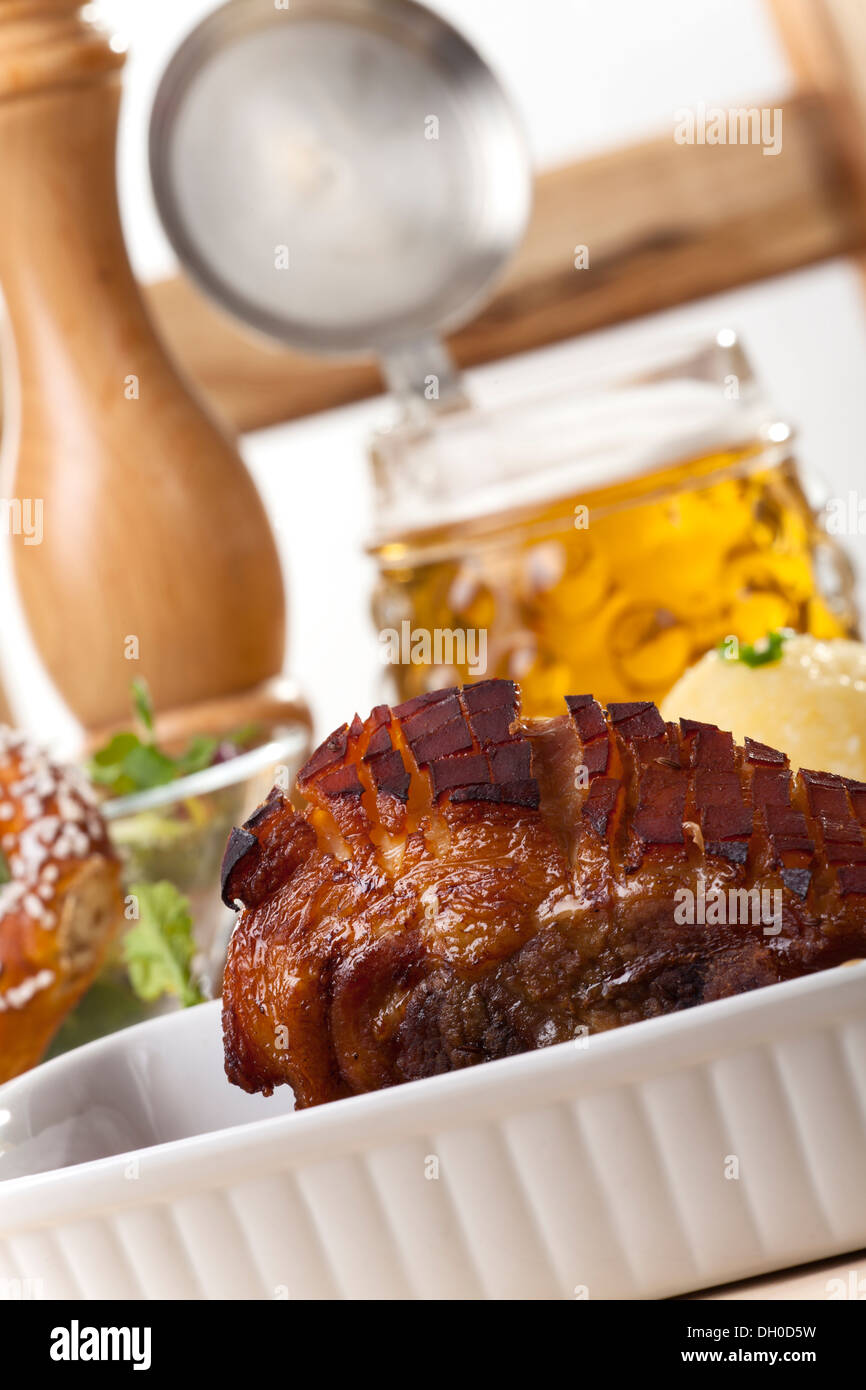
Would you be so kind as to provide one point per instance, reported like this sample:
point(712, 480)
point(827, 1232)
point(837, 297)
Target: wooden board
point(826, 45)
point(663, 223)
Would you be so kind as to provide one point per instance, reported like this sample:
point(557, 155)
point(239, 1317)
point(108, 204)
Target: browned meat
point(465, 885)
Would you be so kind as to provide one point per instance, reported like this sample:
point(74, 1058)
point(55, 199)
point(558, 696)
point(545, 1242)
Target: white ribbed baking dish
point(593, 1171)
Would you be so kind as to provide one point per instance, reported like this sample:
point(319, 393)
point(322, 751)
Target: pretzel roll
point(60, 903)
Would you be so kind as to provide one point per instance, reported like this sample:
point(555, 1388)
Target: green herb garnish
point(142, 703)
point(130, 762)
point(5, 871)
point(199, 755)
point(761, 653)
point(158, 950)
point(127, 765)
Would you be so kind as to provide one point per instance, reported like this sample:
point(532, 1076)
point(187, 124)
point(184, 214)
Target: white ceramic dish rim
point(262, 1147)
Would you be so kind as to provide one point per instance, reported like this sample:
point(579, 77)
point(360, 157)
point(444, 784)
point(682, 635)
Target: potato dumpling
point(810, 703)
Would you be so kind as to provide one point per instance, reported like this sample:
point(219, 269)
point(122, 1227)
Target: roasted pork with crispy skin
point(465, 884)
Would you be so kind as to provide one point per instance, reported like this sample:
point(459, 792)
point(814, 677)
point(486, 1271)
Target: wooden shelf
point(664, 223)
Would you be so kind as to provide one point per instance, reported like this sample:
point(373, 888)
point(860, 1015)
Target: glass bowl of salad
point(169, 815)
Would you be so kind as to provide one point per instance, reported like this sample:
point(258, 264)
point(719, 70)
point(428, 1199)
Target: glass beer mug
point(599, 539)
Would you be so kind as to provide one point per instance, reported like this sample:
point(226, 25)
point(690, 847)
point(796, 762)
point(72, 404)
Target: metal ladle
point(346, 176)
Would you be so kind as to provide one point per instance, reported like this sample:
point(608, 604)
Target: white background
point(585, 76)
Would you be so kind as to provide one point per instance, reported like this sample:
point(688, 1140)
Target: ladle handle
point(424, 379)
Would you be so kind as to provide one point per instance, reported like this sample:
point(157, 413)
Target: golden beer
point(615, 587)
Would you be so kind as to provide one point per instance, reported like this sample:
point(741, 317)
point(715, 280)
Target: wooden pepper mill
point(157, 558)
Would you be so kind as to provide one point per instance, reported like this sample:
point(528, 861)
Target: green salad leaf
point(130, 762)
point(127, 765)
point(761, 653)
point(159, 948)
point(142, 703)
point(199, 755)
